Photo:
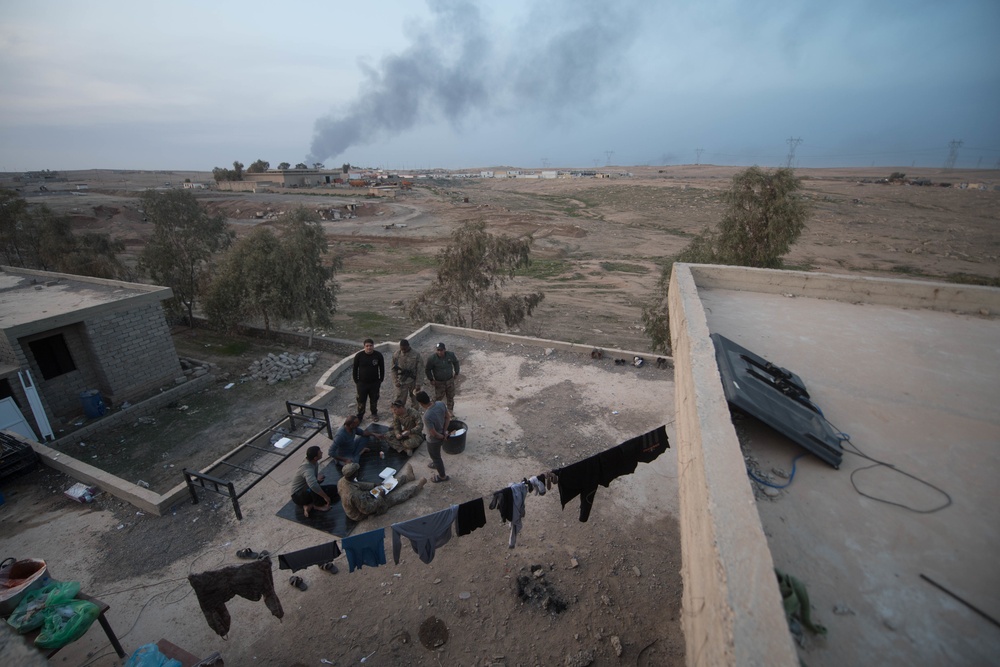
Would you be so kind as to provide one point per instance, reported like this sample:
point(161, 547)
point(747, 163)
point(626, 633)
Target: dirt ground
point(597, 244)
point(569, 593)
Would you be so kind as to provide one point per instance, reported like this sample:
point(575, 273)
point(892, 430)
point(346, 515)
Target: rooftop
point(911, 372)
point(32, 301)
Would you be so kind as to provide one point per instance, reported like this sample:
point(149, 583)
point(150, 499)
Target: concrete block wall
point(732, 612)
point(61, 394)
point(125, 341)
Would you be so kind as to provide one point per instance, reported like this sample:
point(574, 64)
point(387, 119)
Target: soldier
point(407, 429)
point(358, 501)
point(368, 373)
point(405, 372)
point(442, 369)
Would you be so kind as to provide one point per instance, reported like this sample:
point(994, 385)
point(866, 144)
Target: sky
point(410, 84)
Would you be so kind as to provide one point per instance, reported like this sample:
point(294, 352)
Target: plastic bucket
point(455, 444)
point(93, 404)
point(18, 578)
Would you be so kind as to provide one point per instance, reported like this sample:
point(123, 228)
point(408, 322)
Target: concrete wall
point(969, 299)
point(732, 612)
point(122, 342)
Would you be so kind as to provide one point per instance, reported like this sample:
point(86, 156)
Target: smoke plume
point(559, 59)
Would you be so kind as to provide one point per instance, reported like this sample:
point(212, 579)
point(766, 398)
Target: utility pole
point(953, 147)
point(698, 152)
point(793, 143)
point(609, 154)
point(545, 163)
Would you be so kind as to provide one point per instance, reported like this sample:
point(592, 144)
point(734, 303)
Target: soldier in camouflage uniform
point(406, 366)
point(407, 429)
point(359, 503)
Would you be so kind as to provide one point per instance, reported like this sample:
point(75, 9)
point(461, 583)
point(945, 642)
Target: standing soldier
point(442, 369)
point(405, 371)
point(369, 371)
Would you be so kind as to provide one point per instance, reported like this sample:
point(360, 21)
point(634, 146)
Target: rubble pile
point(275, 368)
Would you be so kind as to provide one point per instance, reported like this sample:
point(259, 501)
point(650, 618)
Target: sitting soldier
point(358, 501)
point(407, 429)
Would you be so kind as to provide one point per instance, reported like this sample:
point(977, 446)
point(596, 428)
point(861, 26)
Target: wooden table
point(101, 618)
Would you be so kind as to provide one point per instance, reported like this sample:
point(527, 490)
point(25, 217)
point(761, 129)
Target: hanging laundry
point(297, 560)
point(583, 477)
point(580, 479)
point(425, 533)
point(503, 502)
point(217, 587)
point(365, 549)
point(536, 484)
point(518, 492)
point(471, 515)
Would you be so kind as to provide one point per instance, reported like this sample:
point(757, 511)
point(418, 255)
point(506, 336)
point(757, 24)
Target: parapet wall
point(732, 613)
point(967, 299)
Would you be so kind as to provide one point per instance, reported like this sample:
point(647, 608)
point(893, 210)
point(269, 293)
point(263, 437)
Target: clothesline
point(429, 532)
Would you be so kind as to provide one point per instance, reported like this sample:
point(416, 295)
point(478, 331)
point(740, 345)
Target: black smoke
point(558, 60)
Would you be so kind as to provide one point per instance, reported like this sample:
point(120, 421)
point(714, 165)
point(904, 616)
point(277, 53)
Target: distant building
point(486, 174)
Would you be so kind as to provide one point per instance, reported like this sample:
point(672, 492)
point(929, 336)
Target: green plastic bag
point(29, 614)
point(66, 622)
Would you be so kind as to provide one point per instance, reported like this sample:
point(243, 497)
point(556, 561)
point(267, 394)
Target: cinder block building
point(76, 334)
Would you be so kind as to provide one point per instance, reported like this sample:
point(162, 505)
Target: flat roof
point(915, 388)
point(32, 301)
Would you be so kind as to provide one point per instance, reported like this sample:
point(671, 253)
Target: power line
point(953, 147)
point(793, 143)
point(698, 152)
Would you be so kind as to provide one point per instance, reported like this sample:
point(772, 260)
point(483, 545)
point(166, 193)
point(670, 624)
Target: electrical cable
point(876, 463)
point(776, 486)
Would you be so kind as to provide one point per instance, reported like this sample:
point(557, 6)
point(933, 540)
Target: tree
point(301, 165)
point(308, 282)
point(258, 167)
point(284, 165)
point(274, 275)
point(244, 286)
point(319, 165)
point(13, 209)
point(473, 271)
point(346, 167)
point(238, 170)
point(36, 238)
point(184, 240)
point(764, 217)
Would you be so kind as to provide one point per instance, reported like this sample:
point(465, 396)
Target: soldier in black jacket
point(369, 371)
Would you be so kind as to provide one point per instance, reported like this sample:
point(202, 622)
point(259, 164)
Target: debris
point(635, 571)
point(81, 493)
point(574, 563)
point(142, 483)
point(616, 644)
point(464, 595)
point(230, 385)
point(638, 361)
